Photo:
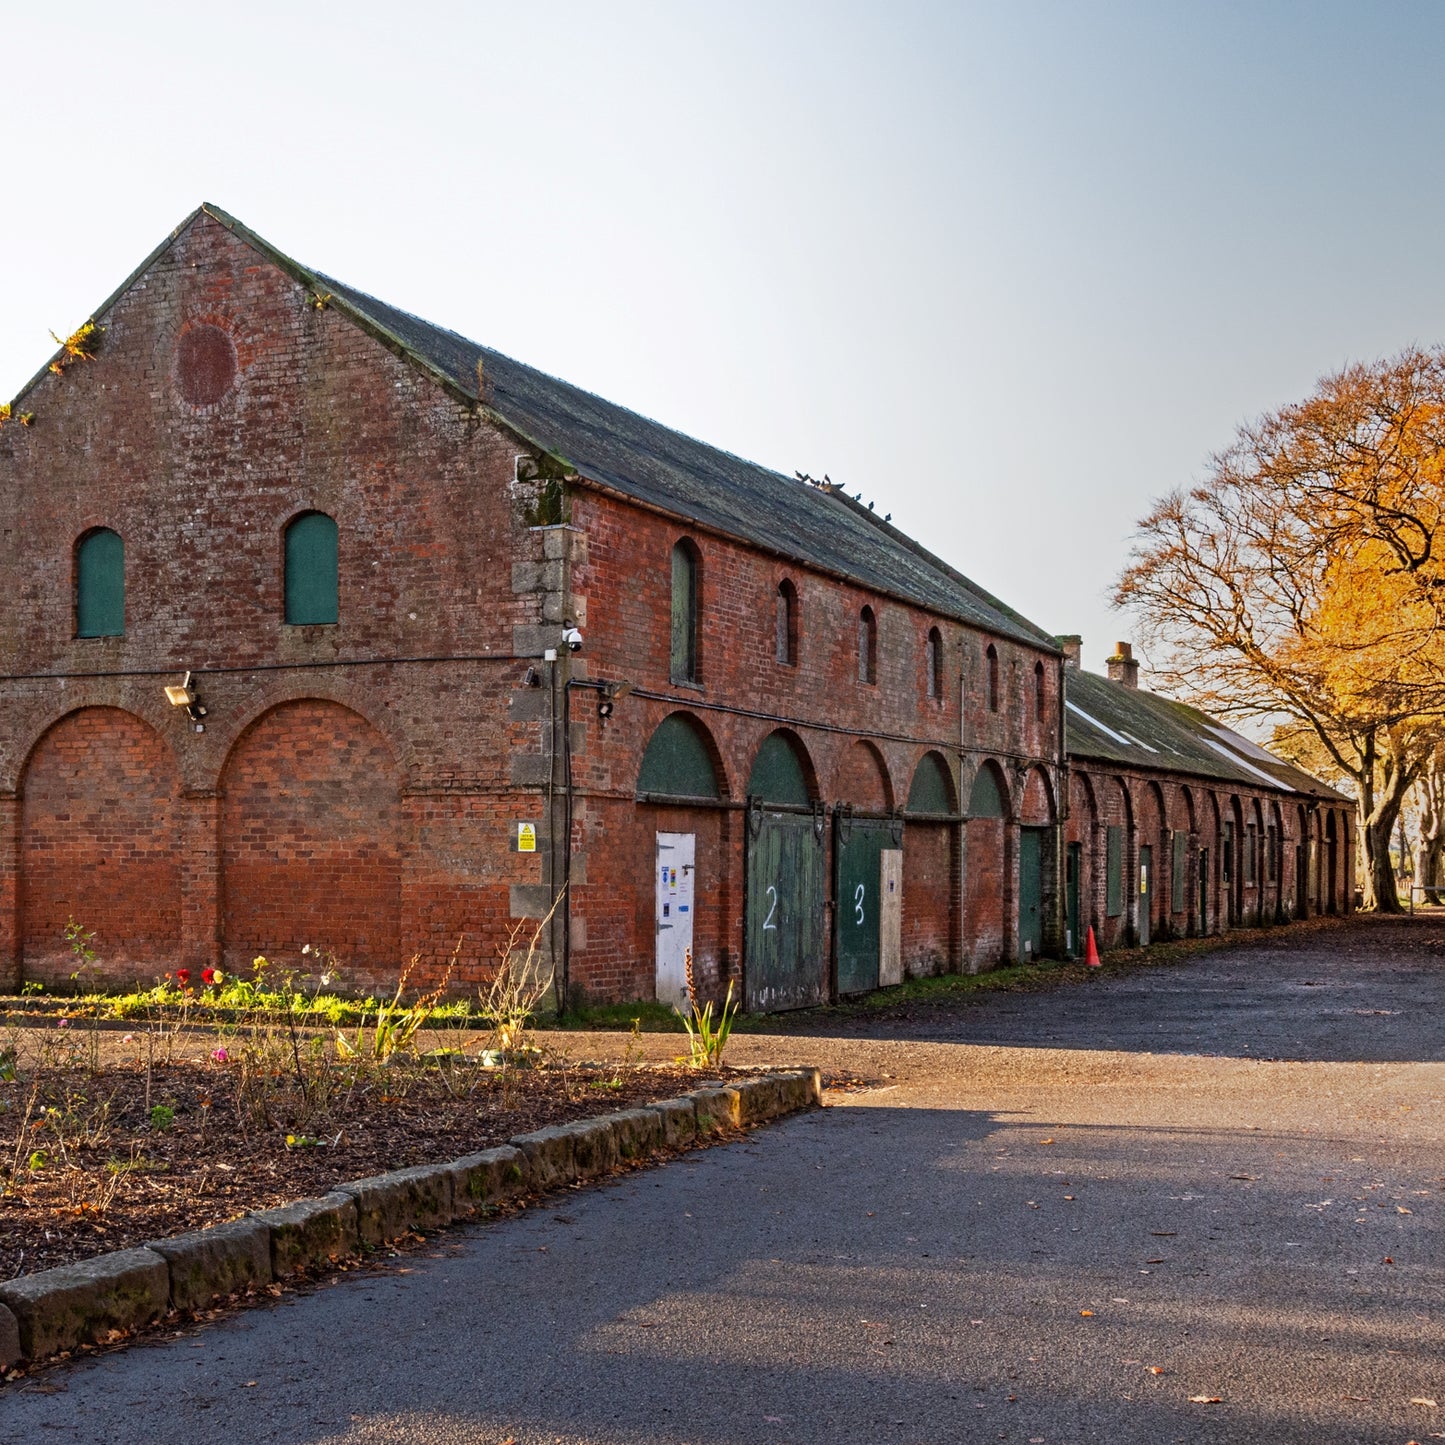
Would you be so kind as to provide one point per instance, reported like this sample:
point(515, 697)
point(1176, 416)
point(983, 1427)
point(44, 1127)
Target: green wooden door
point(1073, 943)
point(785, 965)
point(1031, 891)
point(858, 845)
point(1146, 891)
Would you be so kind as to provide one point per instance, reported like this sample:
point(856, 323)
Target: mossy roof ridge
point(1109, 722)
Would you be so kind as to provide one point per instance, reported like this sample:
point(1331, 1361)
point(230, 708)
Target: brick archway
point(311, 842)
point(98, 844)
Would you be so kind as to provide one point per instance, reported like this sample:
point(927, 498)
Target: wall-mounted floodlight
point(185, 696)
point(611, 691)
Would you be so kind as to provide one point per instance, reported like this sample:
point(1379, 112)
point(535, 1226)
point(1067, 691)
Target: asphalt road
point(1057, 1218)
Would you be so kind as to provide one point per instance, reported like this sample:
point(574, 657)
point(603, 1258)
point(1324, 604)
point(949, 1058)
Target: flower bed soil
point(86, 1166)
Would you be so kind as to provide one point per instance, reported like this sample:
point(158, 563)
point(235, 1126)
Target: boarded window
point(787, 624)
point(932, 790)
point(1114, 871)
point(1178, 883)
point(778, 775)
point(1251, 853)
point(867, 646)
point(677, 762)
point(311, 571)
point(991, 662)
point(1226, 857)
point(1271, 855)
point(100, 585)
point(985, 799)
point(685, 605)
point(933, 662)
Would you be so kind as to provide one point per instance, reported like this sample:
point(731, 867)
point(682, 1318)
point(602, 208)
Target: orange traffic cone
point(1091, 950)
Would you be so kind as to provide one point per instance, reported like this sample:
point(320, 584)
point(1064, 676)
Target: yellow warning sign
point(526, 837)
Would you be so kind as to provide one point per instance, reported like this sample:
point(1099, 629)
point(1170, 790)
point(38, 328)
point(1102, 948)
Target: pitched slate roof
point(1108, 722)
point(608, 445)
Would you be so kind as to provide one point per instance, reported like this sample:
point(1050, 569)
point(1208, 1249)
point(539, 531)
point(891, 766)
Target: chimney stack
point(1122, 666)
point(1072, 646)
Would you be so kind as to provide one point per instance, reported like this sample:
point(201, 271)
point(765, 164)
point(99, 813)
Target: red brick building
point(1178, 826)
point(366, 540)
point(441, 631)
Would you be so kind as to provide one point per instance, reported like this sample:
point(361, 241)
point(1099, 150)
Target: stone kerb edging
point(95, 1300)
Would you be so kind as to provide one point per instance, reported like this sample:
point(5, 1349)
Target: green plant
point(705, 1040)
point(162, 1117)
point(509, 1002)
point(397, 1022)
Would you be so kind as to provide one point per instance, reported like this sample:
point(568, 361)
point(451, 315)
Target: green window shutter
point(311, 570)
point(1178, 892)
point(100, 585)
point(984, 798)
point(777, 775)
point(677, 762)
point(931, 791)
point(684, 615)
point(1114, 871)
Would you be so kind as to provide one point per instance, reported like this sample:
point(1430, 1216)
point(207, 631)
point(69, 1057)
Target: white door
point(890, 917)
point(675, 853)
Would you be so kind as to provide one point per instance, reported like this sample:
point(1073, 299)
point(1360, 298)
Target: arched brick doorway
point(311, 844)
point(98, 845)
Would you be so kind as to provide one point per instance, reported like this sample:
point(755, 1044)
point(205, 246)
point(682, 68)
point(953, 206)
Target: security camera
point(573, 638)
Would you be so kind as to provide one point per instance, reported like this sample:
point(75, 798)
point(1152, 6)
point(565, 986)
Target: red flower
point(183, 977)
point(208, 976)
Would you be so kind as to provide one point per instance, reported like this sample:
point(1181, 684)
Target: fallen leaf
point(1424, 1400)
point(1248, 1178)
point(1156, 1369)
point(1046, 1141)
point(1387, 1260)
point(1206, 1400)
point(1086, 1313)
point(249, 1385)
point(1153, 1261)
point(1400, 1209)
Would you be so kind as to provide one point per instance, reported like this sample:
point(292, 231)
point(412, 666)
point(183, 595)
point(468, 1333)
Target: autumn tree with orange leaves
point(1302, 583)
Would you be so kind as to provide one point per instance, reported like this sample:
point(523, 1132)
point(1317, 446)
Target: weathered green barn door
point(1074, 868)
point(1031, 891)
point(858, 848)
point(786, 961)
point(1146, 891)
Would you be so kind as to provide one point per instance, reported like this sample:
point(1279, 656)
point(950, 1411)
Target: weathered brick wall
point(222, 403)
point(863, 741)
point(353, 788)
point(312, 842)
point(99, 847)
point(1159, 805)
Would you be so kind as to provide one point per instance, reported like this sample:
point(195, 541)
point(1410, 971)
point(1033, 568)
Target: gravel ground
point(1190, 1203)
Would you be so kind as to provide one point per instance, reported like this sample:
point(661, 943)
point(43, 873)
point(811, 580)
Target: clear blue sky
point(1011, 270)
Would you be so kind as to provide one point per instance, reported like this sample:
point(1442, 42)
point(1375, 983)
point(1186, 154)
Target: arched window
point(311, 589)
point(678, 762)
point(933, 662)
point(867, 646)
point(787, 624)
point(991, 658)
point(779, 774)
point(932, 789)
point(100, 584)
point(1040, 695)
point(686, 598)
